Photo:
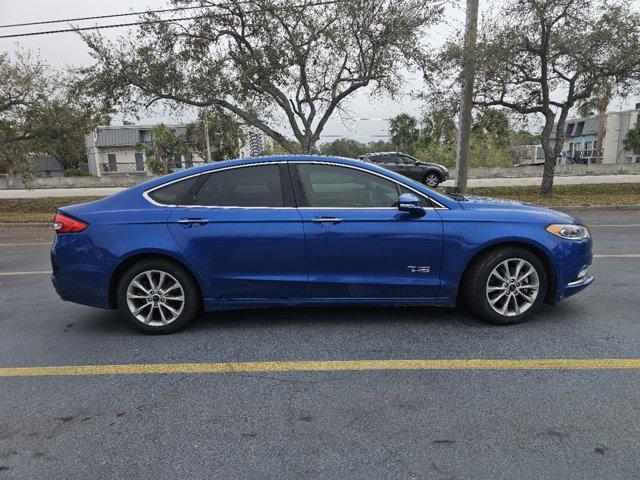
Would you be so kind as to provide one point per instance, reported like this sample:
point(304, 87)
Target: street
point(518, 422)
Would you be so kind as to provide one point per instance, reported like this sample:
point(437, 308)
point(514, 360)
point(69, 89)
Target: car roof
point(374, 154)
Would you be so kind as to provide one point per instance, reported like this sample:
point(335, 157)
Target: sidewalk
point(473, 182)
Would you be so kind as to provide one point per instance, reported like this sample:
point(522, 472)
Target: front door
point(241, 232)
point(358, 244)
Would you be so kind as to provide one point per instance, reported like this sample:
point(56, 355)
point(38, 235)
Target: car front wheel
point(506, 286)
point(158, 296)
point(431, 179)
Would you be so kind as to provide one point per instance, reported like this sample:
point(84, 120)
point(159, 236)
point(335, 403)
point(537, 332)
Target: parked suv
point(431, 174)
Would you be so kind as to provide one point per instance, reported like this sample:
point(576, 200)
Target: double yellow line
point(327, 366)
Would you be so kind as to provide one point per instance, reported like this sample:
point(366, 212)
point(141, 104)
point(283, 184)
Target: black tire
point(191, 293)
point(475, 283)
point(430, 177)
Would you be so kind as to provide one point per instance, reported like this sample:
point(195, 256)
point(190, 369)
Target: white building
point(113, 150)
point(255, 142)
point(581, 140)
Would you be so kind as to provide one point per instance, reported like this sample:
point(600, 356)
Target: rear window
point(172, 193)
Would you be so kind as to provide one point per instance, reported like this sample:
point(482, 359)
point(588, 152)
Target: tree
point(493, 124)
point(632, 139)
point(544, 57)
point(265, 60)
point(225, 134)
point(344, 147)
point(165, 148)
point(439, 126)
point(39, 114)
point(404, 133)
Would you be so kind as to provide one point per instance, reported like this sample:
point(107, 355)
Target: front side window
point(328, 186)
point(256, 186)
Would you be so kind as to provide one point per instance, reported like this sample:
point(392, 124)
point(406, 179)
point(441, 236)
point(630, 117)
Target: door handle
point(326, 220)
point(193, 222)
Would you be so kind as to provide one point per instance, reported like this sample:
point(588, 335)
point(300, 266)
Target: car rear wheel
point(432, 179)
point(506, 286)
point(158, 296)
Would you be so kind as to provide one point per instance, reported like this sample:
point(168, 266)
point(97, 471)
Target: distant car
point(431, 174)
point(310, 230)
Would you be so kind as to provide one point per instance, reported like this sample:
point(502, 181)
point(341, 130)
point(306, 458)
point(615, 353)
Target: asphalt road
point(435, 424)
point(473, 182)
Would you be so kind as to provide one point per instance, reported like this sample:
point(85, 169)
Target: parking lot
point(206, 403)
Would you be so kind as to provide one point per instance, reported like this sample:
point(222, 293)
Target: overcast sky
point(65, 49)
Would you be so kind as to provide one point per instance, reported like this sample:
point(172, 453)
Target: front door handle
point(193, 222)
point(326, 220)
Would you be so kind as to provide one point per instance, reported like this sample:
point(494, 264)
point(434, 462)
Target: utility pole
point(206, 133)
point(466, 97)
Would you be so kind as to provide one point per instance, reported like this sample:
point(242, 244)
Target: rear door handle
point(193, 222)
point(326, 220)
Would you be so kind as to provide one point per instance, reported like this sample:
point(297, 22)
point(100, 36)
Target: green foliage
point(39, 115)
point(265, 60)
point(404, 133)
point(75, 172)
point(632, 139)
point(225, 134)
point(344, 147)
point(437, 153)
point(166, 146)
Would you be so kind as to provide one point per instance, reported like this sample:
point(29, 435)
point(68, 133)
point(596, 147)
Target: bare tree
point(543, 57)
point(265, 60)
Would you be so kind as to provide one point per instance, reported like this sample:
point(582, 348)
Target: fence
point(143, 168)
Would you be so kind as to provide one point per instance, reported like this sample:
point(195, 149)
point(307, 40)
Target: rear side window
point(256, 186)
point(172, 193)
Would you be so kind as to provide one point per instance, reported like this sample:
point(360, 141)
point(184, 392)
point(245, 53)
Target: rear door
point(240, 229)
point(358, 244)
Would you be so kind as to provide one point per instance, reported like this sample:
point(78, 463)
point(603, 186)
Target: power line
point(148, 22)
point(98, 27)
point(114, 15)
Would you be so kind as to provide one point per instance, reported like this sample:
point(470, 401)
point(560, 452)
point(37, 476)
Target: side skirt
point(215, 304)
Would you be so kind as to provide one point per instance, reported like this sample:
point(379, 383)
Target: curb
point(595, 208)
point(25, 224)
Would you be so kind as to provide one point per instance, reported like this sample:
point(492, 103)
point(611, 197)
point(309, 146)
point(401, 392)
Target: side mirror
point(409, 203)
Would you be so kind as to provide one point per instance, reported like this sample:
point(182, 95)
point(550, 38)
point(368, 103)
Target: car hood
point(473, 202)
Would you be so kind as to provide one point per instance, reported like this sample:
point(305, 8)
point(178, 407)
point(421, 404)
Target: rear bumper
point(71, 293)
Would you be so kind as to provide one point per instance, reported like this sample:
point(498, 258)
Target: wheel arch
point(536, 250)
point(131, 260)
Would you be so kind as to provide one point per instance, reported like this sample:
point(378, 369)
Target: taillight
point(64, 224)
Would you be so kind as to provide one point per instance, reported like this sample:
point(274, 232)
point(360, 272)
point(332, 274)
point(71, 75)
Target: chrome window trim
point(146, 193)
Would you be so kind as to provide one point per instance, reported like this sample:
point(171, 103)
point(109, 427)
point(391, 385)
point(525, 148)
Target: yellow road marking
point(23, 244)
point(38, 272)
point(327, 366)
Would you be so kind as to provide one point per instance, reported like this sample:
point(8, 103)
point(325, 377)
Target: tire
point(482, 286)
point(432, 179)
point(169, 313)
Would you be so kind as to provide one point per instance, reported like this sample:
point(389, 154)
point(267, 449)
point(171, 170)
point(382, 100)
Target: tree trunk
point(546, 187)
point(603, 103)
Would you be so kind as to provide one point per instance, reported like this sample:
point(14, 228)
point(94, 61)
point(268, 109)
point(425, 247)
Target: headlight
point(570, 232)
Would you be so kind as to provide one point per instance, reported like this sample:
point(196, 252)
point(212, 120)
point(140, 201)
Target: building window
point(139, 162)
point(569, 129)
point(113, 166)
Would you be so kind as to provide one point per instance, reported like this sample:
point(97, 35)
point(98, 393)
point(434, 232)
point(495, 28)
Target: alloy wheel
point(512, 287)
point(155, 298)
point(432, 180)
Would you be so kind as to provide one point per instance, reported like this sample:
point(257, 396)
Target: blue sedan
point(310, 230)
